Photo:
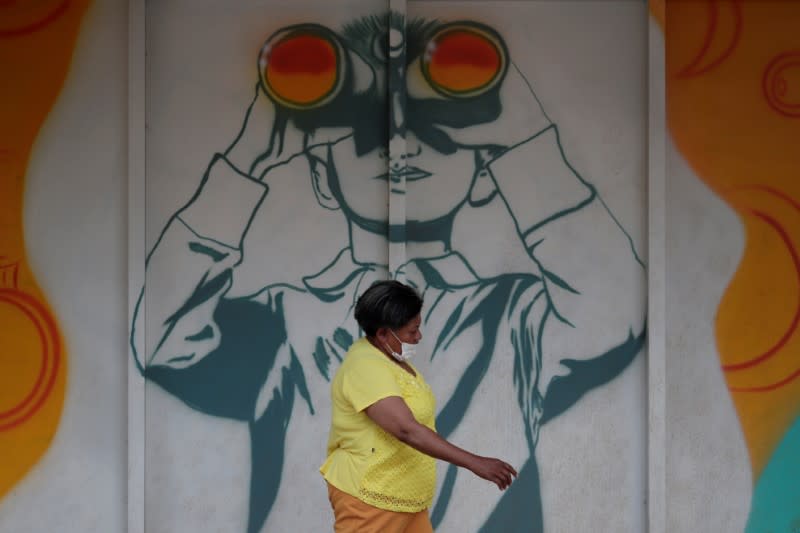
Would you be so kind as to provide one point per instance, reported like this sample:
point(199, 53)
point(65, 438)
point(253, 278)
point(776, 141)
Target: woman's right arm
point(393, 416)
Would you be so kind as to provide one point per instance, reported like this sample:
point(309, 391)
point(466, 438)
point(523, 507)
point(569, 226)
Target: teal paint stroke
point(253, 330)
point(775, 506)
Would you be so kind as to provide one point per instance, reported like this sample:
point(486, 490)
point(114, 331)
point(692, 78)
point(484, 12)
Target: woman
point(381, 469)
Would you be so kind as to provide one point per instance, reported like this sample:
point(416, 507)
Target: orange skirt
point(354, 516)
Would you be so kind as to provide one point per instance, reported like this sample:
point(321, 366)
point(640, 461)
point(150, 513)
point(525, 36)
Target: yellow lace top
point(364, 460)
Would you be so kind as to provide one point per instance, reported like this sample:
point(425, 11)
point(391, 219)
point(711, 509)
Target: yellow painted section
point(36, 45)
point(301, 89)
point(733, 110)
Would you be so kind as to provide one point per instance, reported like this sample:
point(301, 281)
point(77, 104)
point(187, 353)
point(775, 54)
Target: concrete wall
point(245, 307)
point(71, 260)
point(732, 266)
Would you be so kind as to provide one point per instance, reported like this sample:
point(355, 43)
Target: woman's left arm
point(393, 416)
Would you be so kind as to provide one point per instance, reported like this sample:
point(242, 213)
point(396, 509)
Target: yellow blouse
point(364, 460)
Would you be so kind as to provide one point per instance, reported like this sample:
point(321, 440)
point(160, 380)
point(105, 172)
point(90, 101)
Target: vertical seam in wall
point(656, 289)
point(397, 145)
point(136, 220)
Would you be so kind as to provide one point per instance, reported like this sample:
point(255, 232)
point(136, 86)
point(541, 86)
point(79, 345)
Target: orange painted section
point(463, 61)
point(302, 69)
point(658, 11)
point(37, 39)
point(733, 110)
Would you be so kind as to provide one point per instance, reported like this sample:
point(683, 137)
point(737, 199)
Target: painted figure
point(437, 117)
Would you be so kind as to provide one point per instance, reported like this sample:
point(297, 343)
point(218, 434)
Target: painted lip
point(409, 173)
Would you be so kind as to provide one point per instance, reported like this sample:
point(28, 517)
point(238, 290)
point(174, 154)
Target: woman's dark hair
point(387, 304)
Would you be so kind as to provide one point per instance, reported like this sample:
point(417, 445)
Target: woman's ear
point(320, 181)
point(382, 334)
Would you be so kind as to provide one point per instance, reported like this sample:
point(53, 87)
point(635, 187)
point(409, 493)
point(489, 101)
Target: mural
point(733, 107)
point(32, 359)
point(381, 146)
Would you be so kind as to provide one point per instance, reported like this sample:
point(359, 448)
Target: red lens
point(463, 61)
point(301, 68)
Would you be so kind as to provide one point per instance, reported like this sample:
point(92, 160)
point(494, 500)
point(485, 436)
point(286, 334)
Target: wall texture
point(34, 359)
point(342, 160)
point(64, 114)
point(492, 154)
point(732, 93)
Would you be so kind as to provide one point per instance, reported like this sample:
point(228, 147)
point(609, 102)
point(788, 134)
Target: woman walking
point(381, 468)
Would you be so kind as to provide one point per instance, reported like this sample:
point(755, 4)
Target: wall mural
point(32, 358)
point(436, 117)
point(733, 107)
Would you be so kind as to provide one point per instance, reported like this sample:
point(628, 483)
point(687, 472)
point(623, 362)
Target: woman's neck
point(379, 345)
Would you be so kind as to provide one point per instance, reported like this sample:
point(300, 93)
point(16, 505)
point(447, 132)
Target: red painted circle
point(777, 88)
point(704, 61)
point(50, 354)
point(21, 17)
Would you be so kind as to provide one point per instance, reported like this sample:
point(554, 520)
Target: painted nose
point(397, 153)
point(401, 151)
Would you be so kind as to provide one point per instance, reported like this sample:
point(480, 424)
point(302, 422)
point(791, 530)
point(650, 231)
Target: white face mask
point(407, 351)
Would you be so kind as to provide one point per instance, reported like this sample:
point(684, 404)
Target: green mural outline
point(252, 332)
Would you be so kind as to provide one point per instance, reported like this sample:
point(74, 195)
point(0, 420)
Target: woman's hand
point(498, 472)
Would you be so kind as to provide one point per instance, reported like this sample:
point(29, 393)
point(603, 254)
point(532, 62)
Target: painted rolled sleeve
point(189, 269)
point(594, 280)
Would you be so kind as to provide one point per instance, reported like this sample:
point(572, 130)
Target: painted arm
point(189, 270)
point(217, 354)
point(593, 280)
point(393, 416)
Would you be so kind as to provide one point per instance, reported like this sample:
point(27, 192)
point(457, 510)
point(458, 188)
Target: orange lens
point(301, 69)
point(463, 61)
